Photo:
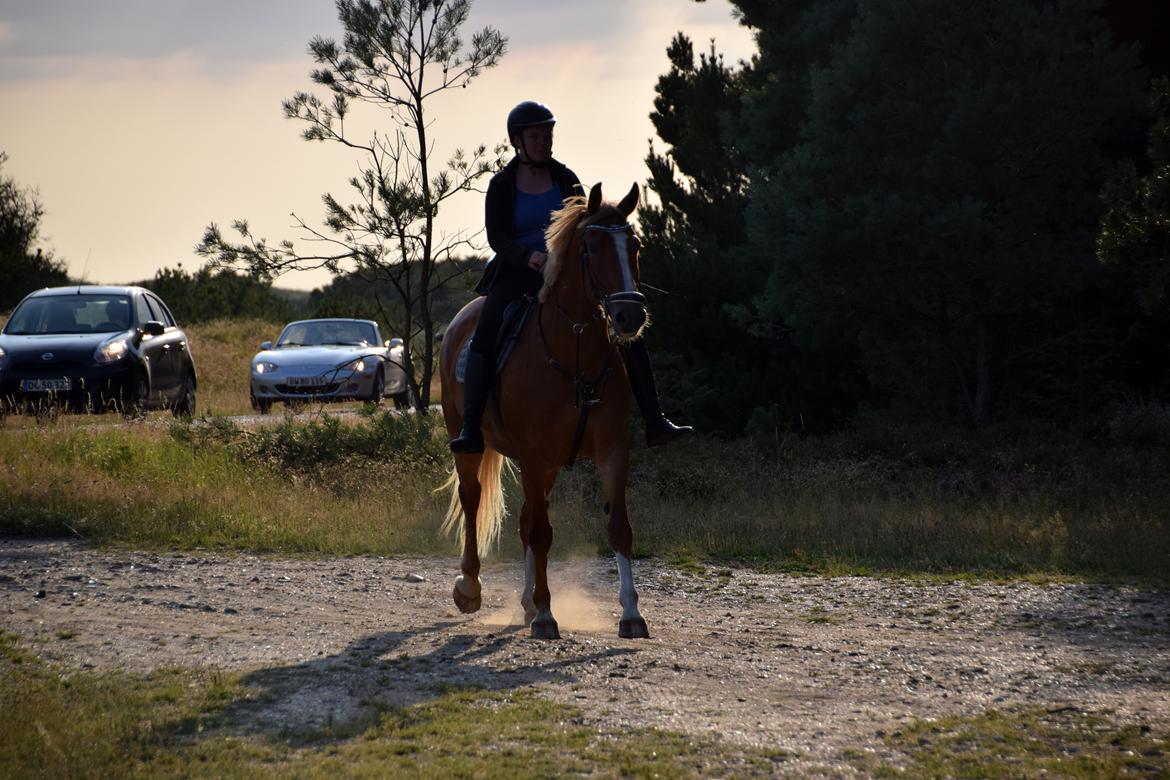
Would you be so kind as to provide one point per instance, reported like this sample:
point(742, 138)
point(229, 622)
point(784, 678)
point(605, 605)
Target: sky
point(139, 122)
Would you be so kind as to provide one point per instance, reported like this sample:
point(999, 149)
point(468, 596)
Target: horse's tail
point(491, 501)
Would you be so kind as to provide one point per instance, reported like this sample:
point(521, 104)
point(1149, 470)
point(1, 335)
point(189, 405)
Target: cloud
point(130, 107)
point(225, 33)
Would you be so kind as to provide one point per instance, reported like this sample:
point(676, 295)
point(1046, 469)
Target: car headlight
point(364, 365)
point(112, 349)
point(264, 367)
point(3, 357)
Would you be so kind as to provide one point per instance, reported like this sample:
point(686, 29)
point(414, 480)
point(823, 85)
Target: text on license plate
point(307, 381)
point(45, 385)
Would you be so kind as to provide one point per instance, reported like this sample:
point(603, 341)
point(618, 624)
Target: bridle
point(609, 302)
point(588, 392)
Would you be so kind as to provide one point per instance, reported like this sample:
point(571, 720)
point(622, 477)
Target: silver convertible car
point(329, 360)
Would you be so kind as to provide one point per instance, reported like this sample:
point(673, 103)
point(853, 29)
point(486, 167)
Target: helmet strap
point(526, 158)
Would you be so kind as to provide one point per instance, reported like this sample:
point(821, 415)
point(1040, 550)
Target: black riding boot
point(659, 430)
point(476, 384)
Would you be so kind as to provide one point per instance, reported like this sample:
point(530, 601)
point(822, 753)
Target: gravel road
point(814, 666)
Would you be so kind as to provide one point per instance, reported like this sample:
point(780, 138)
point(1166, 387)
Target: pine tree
point(939, 203)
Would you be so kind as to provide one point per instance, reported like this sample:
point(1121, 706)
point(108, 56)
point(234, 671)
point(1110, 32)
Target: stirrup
point(663, 431)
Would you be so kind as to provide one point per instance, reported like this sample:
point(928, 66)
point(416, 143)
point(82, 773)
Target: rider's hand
point(536, 260)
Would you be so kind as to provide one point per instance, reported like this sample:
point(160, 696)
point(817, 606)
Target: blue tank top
point(533, 214)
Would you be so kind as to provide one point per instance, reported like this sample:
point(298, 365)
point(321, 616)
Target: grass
point(996, 503)
point(276, 489)
point(185, 723)
point(1026, 742)
point(1005, 507)
point(223, 351)
point(200, 723)
point(903, 499)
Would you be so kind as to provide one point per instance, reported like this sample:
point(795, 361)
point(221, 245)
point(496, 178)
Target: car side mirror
point(394, 343)
point(265, 345)
point(153, 328)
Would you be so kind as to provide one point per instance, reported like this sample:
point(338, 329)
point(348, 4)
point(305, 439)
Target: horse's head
point(606, 249)
point(609, 256)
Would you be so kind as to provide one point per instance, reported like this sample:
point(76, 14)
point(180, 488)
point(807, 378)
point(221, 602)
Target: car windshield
point(55, 314)
point(323, 333)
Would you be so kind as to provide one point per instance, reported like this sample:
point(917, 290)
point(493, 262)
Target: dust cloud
point(575, 606)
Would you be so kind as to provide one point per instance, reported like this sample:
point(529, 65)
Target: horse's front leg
point(537, 484)
point(614, 477)
point(526, 599)
point(468, 591)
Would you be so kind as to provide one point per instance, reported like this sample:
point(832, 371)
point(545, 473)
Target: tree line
point(23, 266)
point(209, 294)
point(926, 209)
point(916, 206)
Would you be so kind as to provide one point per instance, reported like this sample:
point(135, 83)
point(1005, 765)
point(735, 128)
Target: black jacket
point(500, 215)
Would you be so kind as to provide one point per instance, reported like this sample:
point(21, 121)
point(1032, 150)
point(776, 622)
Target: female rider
point(520, 202)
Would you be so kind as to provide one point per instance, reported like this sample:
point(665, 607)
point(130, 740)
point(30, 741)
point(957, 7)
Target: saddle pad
point(515, 316)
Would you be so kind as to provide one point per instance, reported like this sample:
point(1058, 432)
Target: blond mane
point(558, 236)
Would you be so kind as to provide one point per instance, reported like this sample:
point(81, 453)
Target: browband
point(610, 228)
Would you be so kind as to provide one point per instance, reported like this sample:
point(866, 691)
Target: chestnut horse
point(562, 395)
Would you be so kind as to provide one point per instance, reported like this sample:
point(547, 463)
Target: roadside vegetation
point(223, 351)
point(877, 498)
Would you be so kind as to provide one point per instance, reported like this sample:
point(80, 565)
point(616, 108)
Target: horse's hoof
point(633, 628)
point(530, 612)
point(466, 604)
point(545, 628)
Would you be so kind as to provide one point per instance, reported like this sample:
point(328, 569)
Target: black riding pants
point(508, 286)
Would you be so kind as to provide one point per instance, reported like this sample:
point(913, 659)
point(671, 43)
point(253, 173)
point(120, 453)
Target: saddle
point(515, 316)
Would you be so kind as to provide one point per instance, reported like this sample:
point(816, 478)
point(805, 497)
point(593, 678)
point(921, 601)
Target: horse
point(562, 395)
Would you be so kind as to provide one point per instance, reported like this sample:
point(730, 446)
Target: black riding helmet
point(528, 114)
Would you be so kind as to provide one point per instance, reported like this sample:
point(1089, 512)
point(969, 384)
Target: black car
point(95, 348)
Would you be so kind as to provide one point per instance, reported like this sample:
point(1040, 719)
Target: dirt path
point(811, 665)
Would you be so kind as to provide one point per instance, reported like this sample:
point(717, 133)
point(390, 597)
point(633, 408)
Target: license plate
point(306, 381)
point(45, 385)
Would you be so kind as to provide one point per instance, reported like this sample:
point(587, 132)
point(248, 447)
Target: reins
point(586, 393)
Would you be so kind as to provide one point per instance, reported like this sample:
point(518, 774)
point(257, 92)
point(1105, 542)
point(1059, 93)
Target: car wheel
point(261, 406)
point(405, 399)
point(379, 388)
point(185, 406)
point(136, 398)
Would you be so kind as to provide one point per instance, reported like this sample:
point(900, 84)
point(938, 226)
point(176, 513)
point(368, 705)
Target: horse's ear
point(630, 202)
point(594, 199)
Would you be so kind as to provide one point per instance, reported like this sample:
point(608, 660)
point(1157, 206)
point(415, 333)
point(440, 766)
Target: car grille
point(45, 366)
point(317, 390)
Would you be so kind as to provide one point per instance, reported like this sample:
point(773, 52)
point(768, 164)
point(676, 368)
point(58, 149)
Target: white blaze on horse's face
point(625, 307)
point(621, 245)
